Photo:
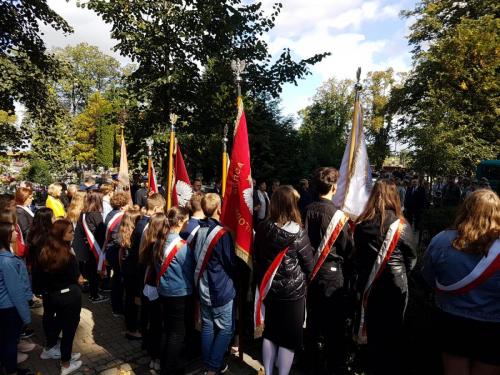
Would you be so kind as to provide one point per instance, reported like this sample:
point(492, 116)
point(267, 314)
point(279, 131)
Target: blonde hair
point(54, 190)
point(478, 222)
point(127, 226)
point(72, 189)
point(209, 203)
point(76, 206)
point(155, 200)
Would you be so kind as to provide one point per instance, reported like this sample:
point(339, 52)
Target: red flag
point(181, 190)
point(237, 208)
point(153, 185)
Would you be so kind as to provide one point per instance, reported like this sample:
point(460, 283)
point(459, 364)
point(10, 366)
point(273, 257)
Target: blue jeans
point(217, 327)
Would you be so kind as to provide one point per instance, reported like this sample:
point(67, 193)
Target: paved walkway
point(105, 350)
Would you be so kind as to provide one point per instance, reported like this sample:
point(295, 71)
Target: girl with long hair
point(37, 237)
point(174, 262)
point(463, 265)
point(282, 249)
point(15, 292)
point(76, 206)
point(150, 306)
point(62, 298)
point(381, 233)
point(127, 227)
point(89, 240)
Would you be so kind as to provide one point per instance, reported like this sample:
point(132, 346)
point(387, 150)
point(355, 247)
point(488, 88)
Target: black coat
point(80, 243)
point(330, 276)
point(368, 240)
point(290, 281)
point(24, 220)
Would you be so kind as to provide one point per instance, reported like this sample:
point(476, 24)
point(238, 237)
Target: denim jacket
point(442, 262)
point(177, 281)
point(15, 290)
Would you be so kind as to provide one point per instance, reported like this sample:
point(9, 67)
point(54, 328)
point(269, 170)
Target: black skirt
point(463, 337)
point(283, 322)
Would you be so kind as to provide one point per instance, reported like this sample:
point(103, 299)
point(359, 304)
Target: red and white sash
point(332, 233)
point(206, 251)
point(262, 290)
point(94, 246)
point(192, 234)
point(486, 267)
point(112, 224)
point(388, 246)
point(28, 211)
point(169, 255)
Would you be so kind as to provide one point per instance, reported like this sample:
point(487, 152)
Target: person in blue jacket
point(174, 263)
point(216, 286)
point(14, 291)
point(463, 265)
point(193, 224)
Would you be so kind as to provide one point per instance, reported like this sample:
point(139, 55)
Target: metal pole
point(149, 143)
point(357, 89)
point(173, 120)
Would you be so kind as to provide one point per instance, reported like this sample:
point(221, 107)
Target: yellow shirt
point(56, 206)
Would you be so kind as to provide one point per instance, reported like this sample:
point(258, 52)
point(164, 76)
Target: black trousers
point(174, 310)
point(92, 276)
point(384, 325)
point(10, 329)
point(151, 326)
point(61, 312)
point(326, 330)
point(112, 256)
point(130, 284)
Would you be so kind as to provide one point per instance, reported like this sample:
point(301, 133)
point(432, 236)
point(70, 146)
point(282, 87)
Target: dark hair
point(39, 231)
point(324, 179)
point(22, 194)
point(7, 224)
point(119, 200)
point(195, 201)
point(283, 207)
point(155, 228)
point(384, 196)
point(93, 202)
point(56, 254)
point(6, 200)
point(174, 216)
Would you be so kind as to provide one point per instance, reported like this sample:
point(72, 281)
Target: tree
point(449, 103)
point(325, 124)
point(376, 93)
point(95, 133)
point(10, 135)
point(51, 135)
point(86, 70)
point(38, 171)
point(25, 68)
point(183, 51)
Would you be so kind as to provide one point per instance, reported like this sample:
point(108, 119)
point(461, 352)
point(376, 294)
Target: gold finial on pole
point(173, 121)
point(224, 160)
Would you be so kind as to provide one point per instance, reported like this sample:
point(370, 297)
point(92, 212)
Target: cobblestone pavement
point(105, 350)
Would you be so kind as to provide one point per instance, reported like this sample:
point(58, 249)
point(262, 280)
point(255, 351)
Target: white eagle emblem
point(248, 197)
point(184, 193)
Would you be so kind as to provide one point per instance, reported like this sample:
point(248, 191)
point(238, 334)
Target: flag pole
point(224, 161)
point(149, 143)
point(357, 91)
point(238, 67)
point(173, 120)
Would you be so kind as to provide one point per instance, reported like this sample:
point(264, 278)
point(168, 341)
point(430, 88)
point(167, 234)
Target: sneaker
point(73, 366)
point(52, 353)
point(35, 304)
point(75, 356)
point(157, 365)
point(99, 299)
point(224, 368)
point(25, 346)
point(152, 364)
point(118, 315)
point(27, 333)
point(21, 357)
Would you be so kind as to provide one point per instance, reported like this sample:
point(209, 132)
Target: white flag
point(355, 181)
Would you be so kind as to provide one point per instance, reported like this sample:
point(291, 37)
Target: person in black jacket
point(327, 302)
point(62, 298)
point(285, 301)
point(24, 198)
point(92, 213)
point(388, 296)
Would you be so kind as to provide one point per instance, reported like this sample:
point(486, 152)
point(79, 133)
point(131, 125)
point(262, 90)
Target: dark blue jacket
point(131, 262)
point(191, 224)
point(221, 268)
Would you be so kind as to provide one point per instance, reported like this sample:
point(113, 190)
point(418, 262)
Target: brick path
point(105, 350)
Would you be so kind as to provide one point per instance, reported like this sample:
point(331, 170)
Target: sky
point(369, 34)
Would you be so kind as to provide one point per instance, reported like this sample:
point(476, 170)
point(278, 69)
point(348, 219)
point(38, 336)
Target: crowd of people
point(169, 271)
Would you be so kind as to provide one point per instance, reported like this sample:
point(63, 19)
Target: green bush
point(37, 171)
